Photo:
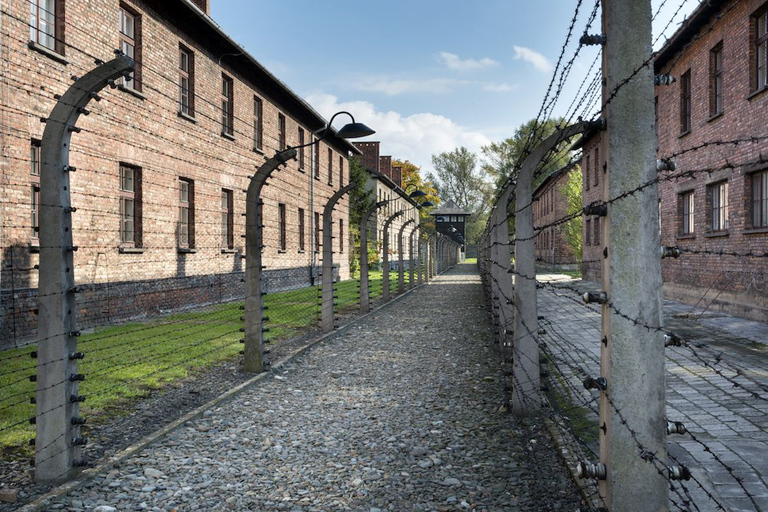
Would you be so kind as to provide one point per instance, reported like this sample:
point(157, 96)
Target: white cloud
point(416, 137)
point(499, 87)
point(539, 61)
point(454, 62)
point(395, 86)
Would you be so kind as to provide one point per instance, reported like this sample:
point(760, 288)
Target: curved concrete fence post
point(328, 307)
point(56, 455)
point(385, 256)
point(400, 261)
point(365, 290)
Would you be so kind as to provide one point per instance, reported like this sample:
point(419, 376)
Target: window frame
point(281, 137)
point(758, 42)
point(258, 124)
point(302, 154)
point(227, 219)
point(718, 206)
point(282, 239)
point(716, 84)
point(135, 197)
point(317, 231)
point(596, 164)
point(759, 204)
point(330, 166)
point(34, 171)
point(685, 103)
point(316, 160)
point(227, 105)
point(301, 223)
point(189, 205)
point(341, 171)
point(56, 21)
point(687, 213)
point(134, 84)
point(341, 236)
point(188, 108)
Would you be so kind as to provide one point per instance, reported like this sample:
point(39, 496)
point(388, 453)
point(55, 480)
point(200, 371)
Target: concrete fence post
point(58, 441)
point(412, 260)
point(632, 355)
point(420, 255)
point(253, 352)
point(365, 290)
point(401, 262)
point(385, 257)
point(328, 307)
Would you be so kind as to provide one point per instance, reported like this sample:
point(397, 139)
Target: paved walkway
point(724, 405)
point(402, 411)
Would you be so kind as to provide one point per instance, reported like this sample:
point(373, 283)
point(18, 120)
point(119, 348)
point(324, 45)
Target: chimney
point(370, 156)
point(397, 175)
point(385, 166)
point(204, 5)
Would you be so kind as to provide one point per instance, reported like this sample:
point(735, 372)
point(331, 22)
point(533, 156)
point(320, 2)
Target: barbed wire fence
point(131, 319)
point(568, 365)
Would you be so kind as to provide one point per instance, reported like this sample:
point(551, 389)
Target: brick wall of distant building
point(550, 204)
point(145, 130)
point(592, 174)
point(741, 282)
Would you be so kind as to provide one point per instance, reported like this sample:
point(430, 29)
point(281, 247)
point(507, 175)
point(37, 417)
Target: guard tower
point(450, 220)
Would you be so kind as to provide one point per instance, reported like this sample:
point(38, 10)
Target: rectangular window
point(130, 45)
point(586, 169)
point(186, 213)
point(227, 105)
point(759, 60)
point(301, 150)
point(227, 219)
point(685, 102)
point(281, 227)
point(130, 205)
point(597, 165)
point(341, 171)
point(687, 211)
point(317, 231)
point(316, 161)
point(341, 235)
point(281, 132)
point(760, 199)
point(46, 24)
point(186, 82)
point(588, 232)
point(716, 80)
point(35, 192)
point(330, 166)
point(258, 127)
point(301, 229)
point(718, 197)
point(596, 224)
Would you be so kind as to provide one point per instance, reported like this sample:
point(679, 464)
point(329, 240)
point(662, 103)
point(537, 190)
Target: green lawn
point(124, 362)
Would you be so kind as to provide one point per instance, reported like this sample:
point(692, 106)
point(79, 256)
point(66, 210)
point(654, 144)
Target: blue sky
point(427, 75)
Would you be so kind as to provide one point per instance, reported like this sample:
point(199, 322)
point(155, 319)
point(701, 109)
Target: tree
point(503, 159)
point(459, 180)
point(412, 180)
point(360, 200)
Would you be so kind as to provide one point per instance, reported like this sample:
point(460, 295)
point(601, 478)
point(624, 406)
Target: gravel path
point(400, 412)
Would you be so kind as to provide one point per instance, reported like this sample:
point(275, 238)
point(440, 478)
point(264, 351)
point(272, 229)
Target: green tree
point(411, 181)
point(458, 178)
point(502, 159)
point(572, 229)
point(360, 200)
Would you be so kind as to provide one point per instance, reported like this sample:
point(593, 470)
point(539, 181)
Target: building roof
point(194, 21)
point(376, 175)
point(450, 208)
point(690, 27)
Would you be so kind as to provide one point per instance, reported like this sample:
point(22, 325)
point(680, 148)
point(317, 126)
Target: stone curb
point(86, 475)
point(585, 487)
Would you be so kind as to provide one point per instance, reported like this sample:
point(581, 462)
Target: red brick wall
point(550, 205)
point(148, 132)
point(741, 281)
point(370, 157)
point(592, 171)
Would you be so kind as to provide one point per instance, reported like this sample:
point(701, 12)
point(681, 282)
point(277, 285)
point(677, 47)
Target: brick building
point(385, 184)
point(549, 205)
point(720, 61)
point(593, 167)
point(162, 161)
point(711, 122)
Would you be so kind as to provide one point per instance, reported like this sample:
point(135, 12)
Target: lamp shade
point(354, 131)
point(426, 204)
point(417, 193)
